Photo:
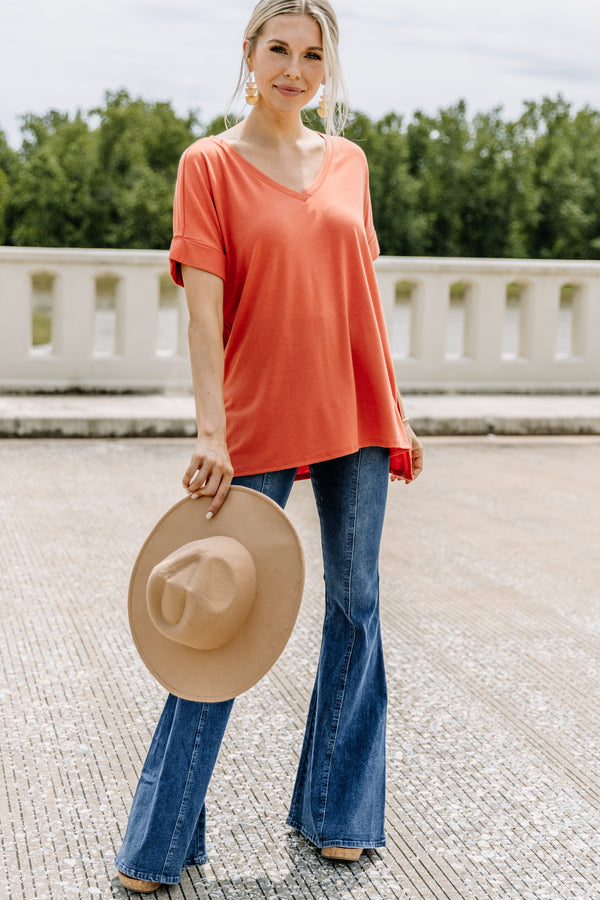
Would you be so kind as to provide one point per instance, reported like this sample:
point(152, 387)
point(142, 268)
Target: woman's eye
point(278, 49)
point(314, 56)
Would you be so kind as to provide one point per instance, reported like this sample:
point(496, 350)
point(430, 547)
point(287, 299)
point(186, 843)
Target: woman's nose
point(292, 70)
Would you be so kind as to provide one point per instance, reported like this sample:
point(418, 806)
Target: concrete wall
point(112, 320)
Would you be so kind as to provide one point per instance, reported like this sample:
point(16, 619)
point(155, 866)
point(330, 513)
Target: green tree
point(566, 153)
point(8, 167)
point(400, 224)
point(519, 212)
point(51, 204)
point(138, 145)
point(481, 202)
point(107, 186)
point(438, 158)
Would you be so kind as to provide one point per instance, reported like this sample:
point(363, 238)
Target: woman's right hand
point(209, 473)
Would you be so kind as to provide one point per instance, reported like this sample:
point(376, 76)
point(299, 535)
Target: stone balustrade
point(112, 320)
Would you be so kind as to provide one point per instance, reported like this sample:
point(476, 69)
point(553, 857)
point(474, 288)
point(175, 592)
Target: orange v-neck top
point(308, 369)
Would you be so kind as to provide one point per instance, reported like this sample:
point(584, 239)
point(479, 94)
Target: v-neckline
point(262, 176)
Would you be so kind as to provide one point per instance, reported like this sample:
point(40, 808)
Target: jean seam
point(301, 778)
point(193, 858)
point(348, 658)
point(184, 798)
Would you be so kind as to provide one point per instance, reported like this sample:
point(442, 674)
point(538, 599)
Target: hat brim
point(223, 673)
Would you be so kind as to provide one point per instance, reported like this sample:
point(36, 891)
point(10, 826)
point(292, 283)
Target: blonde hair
point(323, 14)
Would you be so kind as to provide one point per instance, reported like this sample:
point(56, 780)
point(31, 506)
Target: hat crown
point(202, 593)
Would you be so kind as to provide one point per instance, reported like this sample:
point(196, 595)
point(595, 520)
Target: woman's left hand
point(416, 452)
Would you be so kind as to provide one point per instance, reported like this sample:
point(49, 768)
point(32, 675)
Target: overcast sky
point(401, 56)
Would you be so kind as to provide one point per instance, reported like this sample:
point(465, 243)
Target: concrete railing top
point(475, 265)
point(80, 255)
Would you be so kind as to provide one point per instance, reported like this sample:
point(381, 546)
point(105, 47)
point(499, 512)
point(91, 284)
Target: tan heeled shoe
point(348, 854)
point(137, 884)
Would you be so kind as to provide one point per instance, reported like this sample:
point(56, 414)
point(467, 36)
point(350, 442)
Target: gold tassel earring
point(323, 107)
point(251, 91)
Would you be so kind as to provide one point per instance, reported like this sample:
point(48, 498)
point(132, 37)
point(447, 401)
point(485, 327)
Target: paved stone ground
point(491, 611)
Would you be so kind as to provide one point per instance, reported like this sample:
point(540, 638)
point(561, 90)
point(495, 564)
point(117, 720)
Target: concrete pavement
point(491, 615)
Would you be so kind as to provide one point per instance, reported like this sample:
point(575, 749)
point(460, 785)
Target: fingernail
point(193, 496)
point(209, 515)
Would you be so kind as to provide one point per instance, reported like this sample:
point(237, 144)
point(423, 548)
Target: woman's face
point(287, 62)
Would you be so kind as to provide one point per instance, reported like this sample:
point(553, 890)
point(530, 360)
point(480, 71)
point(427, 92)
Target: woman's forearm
point(204, 294)
point(206, 355)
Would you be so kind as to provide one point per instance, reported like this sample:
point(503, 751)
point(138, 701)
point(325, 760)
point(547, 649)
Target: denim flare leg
point(339, 796)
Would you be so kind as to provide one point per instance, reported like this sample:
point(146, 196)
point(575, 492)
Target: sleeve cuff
point(185, 251)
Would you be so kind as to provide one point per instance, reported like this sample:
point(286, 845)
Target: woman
point(274, 243)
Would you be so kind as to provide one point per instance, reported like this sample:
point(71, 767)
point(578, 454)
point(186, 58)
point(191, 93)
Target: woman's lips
point(287, 90)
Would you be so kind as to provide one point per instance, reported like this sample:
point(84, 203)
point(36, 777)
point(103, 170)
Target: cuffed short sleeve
point(197, 235)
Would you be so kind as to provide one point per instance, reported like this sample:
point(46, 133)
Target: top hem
point(400, 462)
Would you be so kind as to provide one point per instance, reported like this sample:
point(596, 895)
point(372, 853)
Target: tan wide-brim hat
point(212, 602)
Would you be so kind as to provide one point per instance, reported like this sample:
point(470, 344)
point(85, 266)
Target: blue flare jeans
point(339, 794)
